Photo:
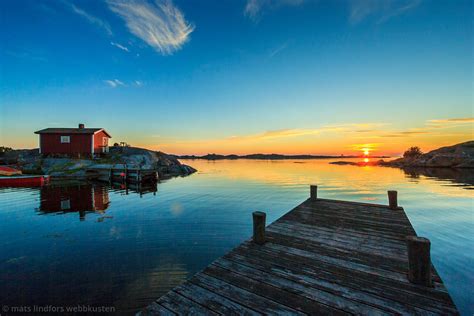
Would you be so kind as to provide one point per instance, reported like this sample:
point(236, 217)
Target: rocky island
point(29, 161)
point(456, 156)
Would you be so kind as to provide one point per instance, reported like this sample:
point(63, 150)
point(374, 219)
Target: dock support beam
point(419, 260)
point(313, 192)
point(259, 227)
point(392, 200)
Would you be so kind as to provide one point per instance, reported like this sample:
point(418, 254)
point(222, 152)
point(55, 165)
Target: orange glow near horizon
point(352, 139)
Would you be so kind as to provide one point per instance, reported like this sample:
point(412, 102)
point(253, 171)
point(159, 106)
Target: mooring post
point(313, 189)
point(392, 200)
point(419, 260)
point(259, 227)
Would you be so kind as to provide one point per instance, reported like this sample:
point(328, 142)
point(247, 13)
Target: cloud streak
point(120, 46)
point(453, 120)
point(114, 83)
point(282, 133)
point(91, 19)
point(299, 132)
point(255, 8)
point(404, 134)
point(161, 25)
point(384, 9)
point(277, 50)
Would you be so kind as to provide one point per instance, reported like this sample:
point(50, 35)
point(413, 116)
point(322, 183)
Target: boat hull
point(23, 181)
point(7, 171)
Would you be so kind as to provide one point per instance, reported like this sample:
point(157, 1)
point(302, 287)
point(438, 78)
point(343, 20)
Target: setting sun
point(366, 151)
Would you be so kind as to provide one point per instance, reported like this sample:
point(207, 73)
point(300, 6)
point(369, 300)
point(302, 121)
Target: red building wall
point(99, 141)
point(79, 144)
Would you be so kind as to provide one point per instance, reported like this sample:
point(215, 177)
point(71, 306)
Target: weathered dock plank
point(324, 257)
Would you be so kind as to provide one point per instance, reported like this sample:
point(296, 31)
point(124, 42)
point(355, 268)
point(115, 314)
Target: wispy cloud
point(430, 128)
point(282, 133)
point(378, 138)
point(453, 120)
point(404, 134)
point(120, 46)
point(114, 83)
point(90, 18)
point(299, 132)
point(383, 9)
point(255, 8)
point(161, 25)
point(277, 50)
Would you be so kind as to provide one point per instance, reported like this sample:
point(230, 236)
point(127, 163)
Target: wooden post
point(259, 227)
point(313, 189)
point(392, 200)
point(419, 260)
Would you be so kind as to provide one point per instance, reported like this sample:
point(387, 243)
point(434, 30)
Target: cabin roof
point(62, 130)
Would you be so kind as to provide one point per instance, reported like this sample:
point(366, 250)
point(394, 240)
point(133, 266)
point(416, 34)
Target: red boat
point(23, 181)
point(7, 171)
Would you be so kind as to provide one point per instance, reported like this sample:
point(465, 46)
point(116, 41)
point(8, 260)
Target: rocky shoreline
point(29, 161)
point(456, 156)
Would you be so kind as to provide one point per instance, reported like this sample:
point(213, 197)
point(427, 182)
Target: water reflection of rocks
point(463, 177)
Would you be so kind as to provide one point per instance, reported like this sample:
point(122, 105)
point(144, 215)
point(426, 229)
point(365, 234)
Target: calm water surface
point(70, 244)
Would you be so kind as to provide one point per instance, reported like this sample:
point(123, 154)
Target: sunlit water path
point(65, 245)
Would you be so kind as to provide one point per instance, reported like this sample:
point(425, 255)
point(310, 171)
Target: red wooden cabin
point(76, 142)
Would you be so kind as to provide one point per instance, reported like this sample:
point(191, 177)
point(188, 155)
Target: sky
point(250, 76)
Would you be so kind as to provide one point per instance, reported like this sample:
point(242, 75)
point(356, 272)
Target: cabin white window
point(65, 204)
point(65, 139)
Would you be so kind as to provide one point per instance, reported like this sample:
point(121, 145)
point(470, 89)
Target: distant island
point(266, 157)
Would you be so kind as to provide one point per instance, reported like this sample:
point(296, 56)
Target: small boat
point(7, 171)
point(23, 181)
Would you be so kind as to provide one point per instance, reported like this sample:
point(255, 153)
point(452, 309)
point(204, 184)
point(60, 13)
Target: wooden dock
point(324, 257)
point(123, 174)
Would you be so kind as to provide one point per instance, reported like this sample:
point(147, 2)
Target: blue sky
point(287, 76)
